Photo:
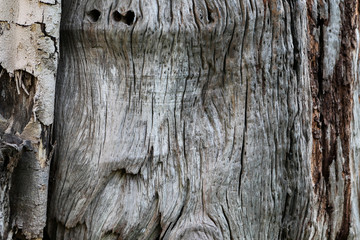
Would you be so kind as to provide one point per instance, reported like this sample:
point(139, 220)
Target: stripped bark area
point(182, 120)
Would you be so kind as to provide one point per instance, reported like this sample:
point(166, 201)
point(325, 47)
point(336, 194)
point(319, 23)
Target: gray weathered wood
point(207, 119)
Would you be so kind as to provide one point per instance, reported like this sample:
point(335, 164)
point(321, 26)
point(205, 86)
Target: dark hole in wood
point(117, 16)
point(14, 105)
point(19, 235)
point(210, 18)
point(128, 18)
point(94, 15)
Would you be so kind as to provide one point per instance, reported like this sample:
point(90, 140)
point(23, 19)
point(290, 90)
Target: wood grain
point(195, 120)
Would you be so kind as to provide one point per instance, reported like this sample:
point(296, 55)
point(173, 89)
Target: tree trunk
point(202, 119)
point(29, 32)
point(207, 119)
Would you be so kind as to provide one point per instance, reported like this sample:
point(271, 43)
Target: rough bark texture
point(29, 32)
point(207, 119)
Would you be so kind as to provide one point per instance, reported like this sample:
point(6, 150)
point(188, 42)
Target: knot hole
point(209, 16)
point(93, 15)
point(127, 18)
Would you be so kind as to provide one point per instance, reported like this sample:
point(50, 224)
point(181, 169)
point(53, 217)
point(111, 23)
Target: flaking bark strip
point(314, 65)
point(332, 107)
point(343, 77)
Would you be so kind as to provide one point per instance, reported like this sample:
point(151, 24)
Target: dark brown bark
point(332, 107)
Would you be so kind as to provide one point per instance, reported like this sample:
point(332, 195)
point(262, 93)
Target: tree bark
point(29, 32)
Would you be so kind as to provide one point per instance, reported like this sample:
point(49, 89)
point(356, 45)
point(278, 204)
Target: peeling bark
point(29, 33)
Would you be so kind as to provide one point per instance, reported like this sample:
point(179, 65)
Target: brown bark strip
point(344, 77)
point(332, 107)
point(314, 64)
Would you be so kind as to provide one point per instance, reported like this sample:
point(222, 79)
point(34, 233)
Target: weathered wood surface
point(29, 34)
point(207, 119)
